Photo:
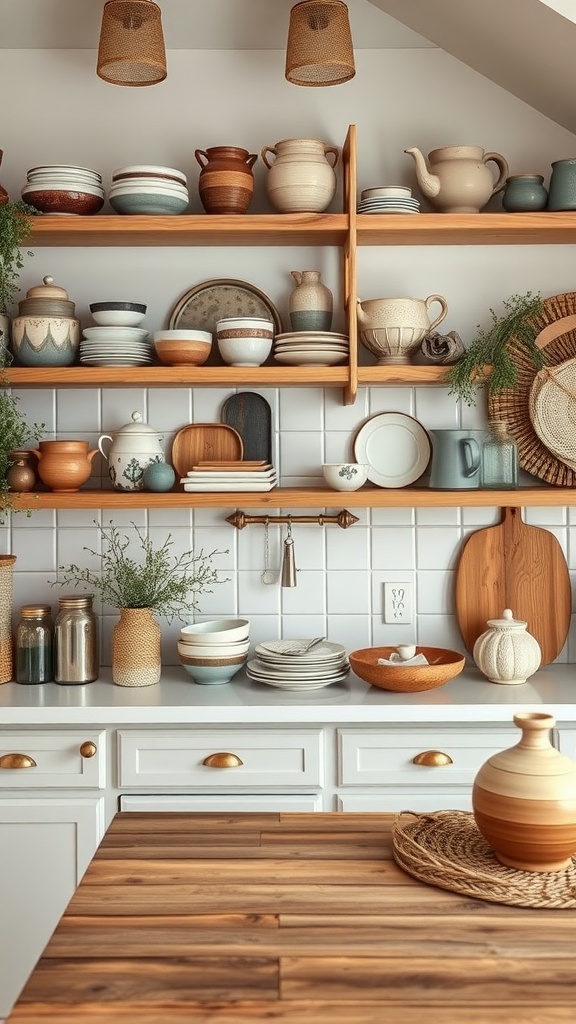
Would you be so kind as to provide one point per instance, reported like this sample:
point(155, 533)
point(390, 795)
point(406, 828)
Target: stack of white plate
point(229, 478)
point(115, 346)
point(311, 348)
point(64, 188)
point(390, 204)
point(278, 663)
point(148, 189)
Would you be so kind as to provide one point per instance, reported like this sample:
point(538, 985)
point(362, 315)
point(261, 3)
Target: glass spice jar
point(499, 459)
point(33, 644)
point(75, 640)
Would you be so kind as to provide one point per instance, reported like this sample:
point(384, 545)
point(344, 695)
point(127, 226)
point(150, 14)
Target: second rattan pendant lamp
point(319, 50)
point(131, 49)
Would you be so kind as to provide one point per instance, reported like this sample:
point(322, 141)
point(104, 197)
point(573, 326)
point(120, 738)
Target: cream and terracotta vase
point(136, 648)
point(524, 800)
point(6, 645)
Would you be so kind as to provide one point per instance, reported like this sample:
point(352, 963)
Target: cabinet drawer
point(52, 760)
point(225, 803)
point(267, 759)
point(381, 757)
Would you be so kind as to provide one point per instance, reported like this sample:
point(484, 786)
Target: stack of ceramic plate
point(278, 663)
point(115, 346)
point(311, 348)
point(146, 188)
point(64, 188)
point(230, 476)
point(388, 204)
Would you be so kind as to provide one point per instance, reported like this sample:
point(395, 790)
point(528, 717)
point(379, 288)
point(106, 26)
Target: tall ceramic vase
point(310, 304)
point(136, 648)
point(6, 646)
point(524, 800)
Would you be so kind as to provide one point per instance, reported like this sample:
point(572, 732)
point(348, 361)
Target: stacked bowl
point(148, 189)
point(182, 347)
point(116, 339)
point(244, 340)
point(63, 188)
point(214, 651)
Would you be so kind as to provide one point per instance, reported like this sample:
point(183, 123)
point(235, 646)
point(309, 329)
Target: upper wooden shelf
point(306, 229)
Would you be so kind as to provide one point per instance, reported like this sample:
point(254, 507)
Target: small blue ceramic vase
point(159, 476)
point(524, 193)
point(562, 192)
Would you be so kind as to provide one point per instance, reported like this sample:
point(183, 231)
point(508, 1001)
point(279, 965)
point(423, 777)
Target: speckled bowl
point(148, 203)
point(213, 671)
point(80, 201)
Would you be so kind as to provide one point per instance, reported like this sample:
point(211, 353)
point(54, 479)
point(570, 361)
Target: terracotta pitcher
point(64, 465)
point(226, 180)
point(457, 179)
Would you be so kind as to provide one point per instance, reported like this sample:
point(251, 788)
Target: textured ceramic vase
point(226, 181)
point(310, 303)
point(562, 189)
point(22, 473)
point(64, 465)
point(6, 646)
point(136, 648)
point(524, 193)
point(507, 652)
point(524, 800)
point(301, 177)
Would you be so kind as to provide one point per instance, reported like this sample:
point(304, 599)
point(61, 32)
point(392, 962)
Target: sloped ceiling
point(528, 47)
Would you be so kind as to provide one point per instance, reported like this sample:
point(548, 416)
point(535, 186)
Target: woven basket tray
point(447, 850)
point(552, 406)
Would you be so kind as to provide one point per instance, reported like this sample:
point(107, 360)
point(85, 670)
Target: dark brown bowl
point(63, 201)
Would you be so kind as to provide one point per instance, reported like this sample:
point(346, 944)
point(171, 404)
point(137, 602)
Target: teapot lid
point(507, 621)
point(137, 426)
point(48, 290)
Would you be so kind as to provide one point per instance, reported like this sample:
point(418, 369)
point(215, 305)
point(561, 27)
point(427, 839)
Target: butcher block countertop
point(288, 918)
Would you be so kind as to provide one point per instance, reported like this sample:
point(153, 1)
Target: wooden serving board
point(251, 416)
point(200, 441)
point(520, 567)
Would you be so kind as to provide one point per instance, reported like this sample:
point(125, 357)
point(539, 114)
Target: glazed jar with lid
point(33, 646)
point(499, 459)
point(75, 640)
point(507, 652)
point(524, 193)
point(132, 448)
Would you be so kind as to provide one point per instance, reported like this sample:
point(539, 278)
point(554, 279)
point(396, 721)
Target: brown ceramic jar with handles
point(226, 181)
point(64, 465)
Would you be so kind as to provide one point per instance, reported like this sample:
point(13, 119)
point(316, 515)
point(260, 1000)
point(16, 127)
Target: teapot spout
point(429, 184)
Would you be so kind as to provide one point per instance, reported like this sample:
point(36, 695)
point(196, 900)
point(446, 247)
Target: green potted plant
point(487, 361)
point(15, 433)
point(155, 582)
point(15, 228)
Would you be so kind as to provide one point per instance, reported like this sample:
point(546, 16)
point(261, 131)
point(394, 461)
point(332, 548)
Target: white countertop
point(175, 700)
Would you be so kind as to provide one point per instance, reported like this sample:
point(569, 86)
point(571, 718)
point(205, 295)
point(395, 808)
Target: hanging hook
point(288, 574)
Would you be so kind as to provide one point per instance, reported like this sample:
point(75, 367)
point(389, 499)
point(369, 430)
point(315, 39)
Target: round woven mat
point(447, 850)
point(553, 410)
point(512, 405)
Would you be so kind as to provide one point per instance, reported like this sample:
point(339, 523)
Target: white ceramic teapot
point(132, 448)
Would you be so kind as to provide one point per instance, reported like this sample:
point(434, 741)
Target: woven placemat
point(446, 849)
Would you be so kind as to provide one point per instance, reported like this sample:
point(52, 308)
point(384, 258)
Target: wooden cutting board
point(197, 442)
point(251, 415)
point(518, 567)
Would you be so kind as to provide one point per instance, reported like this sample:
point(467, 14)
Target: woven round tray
point(552, 407)
point(557, 339)
point(447, 850)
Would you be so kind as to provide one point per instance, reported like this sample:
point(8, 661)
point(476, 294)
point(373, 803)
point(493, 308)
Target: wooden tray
point(197, 442)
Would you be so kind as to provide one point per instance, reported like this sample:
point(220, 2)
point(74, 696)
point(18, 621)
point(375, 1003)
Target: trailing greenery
point(15, 228)
point(167, 584)
point(487, 362)
point(15, 432)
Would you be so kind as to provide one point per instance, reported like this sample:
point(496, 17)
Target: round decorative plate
point(201, 307)
point(557, 339)
point(395, 447)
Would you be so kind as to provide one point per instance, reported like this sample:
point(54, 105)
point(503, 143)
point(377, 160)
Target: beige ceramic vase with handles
point(64, 465)
point(524, 800)
point(301, 176)
point(136, 648)
point(457, 178)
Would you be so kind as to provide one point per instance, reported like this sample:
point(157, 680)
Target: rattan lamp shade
point(319, 50)
point(131, 49)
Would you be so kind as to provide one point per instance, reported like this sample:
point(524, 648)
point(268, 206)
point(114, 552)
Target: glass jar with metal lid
point(75, 640)
point(33, 644)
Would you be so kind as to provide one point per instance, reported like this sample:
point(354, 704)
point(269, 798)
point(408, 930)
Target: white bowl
point(246, 324)
point(345, 476)
point(148, 170)
point(217, 631)
point(182, 335)
point(208, 651)
point(387, 192)
point(117, 318)
point(115, 333)
point(248, 351)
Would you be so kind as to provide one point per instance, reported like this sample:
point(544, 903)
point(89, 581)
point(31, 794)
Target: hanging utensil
point(288, 574)
point(269, 575)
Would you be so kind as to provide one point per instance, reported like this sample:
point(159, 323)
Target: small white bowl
point(114, 333)
point(217, 631)
point(387, 192)
point(246, 324)
point(345, 476)
point(117, 318)
point(208, 651)
point(248, 351)
point(182, 335)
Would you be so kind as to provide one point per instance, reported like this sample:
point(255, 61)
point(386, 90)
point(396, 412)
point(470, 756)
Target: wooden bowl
point(182, 353)
point(443, 666)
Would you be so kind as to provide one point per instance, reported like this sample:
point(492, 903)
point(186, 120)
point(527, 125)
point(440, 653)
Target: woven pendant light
point(131, 49)
point(319, 50)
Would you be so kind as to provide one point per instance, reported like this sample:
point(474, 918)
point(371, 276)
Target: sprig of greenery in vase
point(487, 361)
point(167, 584)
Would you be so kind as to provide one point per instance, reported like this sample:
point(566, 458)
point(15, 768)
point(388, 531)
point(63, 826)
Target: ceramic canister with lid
point(75, 640)
point(507, 652)
point(46, 332)
point(132, 448)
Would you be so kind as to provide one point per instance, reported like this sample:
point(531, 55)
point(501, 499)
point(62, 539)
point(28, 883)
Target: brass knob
point(88, 749)
point(222, 760)
point(432, 758)
point(17, 761)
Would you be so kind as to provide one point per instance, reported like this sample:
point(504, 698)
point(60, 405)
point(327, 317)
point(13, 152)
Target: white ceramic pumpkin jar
point(507, 652)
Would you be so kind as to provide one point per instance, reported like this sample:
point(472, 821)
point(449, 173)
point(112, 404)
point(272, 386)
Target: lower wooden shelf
point(302, 497)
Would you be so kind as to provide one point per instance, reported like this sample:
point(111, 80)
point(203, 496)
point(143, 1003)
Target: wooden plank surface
point(293, 919)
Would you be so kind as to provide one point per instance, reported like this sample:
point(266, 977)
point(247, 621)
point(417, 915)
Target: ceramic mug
point(456, 456)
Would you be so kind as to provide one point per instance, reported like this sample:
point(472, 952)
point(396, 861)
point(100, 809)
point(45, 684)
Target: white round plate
point(322, 651)
point(395, 447)
point(310, 358)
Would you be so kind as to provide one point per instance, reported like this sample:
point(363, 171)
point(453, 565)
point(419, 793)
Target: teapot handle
point(105, 437)
point(267, 149)
point(502, 165)
point(443, 311)
point(335, 153)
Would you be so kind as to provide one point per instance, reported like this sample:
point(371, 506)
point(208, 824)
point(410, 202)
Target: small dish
point(395, 447)
point(345, 476)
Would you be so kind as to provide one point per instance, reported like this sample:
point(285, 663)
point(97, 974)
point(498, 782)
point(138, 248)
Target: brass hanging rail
point(344, 519)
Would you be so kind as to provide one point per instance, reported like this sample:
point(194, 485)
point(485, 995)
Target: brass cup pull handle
point(432, 758)
point(88, 749)
point(222, 760)
point(17, 761)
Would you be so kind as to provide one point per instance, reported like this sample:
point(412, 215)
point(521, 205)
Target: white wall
point(61, 112)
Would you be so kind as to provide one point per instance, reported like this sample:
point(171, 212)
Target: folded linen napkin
point(396, 660)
